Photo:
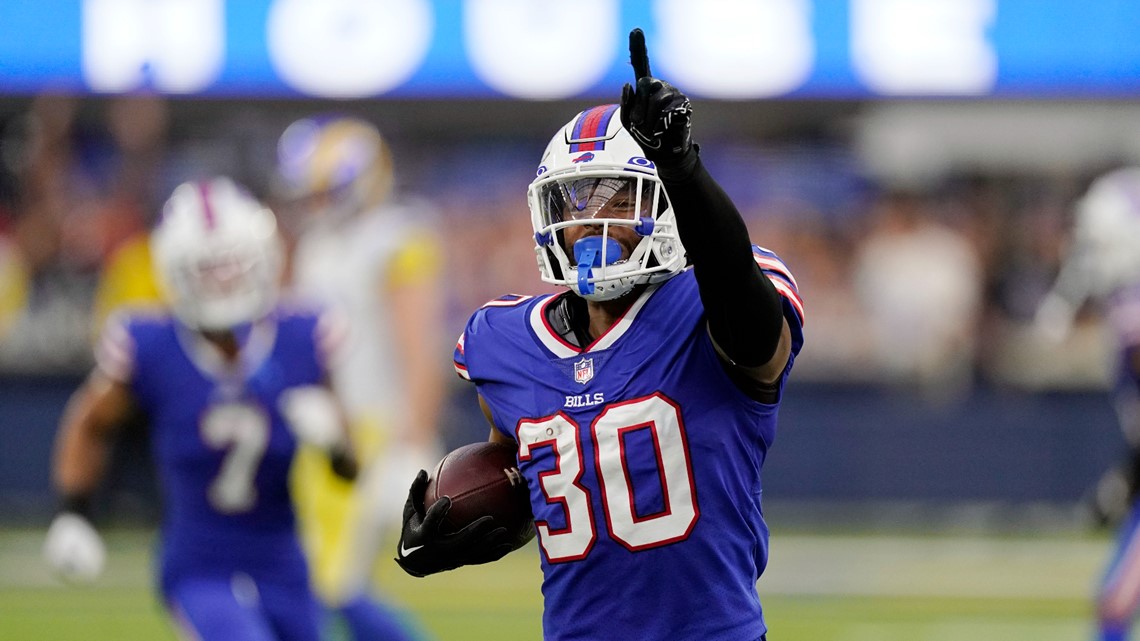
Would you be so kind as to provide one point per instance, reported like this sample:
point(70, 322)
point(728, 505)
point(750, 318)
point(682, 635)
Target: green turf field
point(817, 588)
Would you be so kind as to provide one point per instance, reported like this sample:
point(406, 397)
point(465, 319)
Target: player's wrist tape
point(77, 504)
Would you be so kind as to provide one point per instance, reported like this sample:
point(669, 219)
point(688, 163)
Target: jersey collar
point(561, 348)
point(208, 359)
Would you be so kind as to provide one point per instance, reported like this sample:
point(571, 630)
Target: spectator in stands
point(920, 286)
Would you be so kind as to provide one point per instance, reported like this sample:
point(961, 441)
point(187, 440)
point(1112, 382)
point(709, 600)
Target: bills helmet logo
point(586, 157)
point(584, 371)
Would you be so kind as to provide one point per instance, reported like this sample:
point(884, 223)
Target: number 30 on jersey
point(562, 484)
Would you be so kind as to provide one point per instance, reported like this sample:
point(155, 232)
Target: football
point(483, 479)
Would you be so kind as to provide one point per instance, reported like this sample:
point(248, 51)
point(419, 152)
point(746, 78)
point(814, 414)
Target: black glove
point(655, 113)
point(343, 463)
point(425, 549)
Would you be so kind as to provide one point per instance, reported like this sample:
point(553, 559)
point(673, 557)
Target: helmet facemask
point(612, 191)
point(222, 288)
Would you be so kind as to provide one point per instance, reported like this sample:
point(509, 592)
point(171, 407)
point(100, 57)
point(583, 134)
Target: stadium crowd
point(931, 286)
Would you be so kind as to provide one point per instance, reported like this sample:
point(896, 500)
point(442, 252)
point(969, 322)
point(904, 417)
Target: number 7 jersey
point(642, 459)
point(221, 445)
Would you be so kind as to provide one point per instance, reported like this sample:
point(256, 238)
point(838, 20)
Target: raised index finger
point(638, 56)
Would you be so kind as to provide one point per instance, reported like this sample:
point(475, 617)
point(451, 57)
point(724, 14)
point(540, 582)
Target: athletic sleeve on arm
point(744, 308)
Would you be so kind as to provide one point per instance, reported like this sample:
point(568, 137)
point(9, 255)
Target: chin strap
point(589, 252)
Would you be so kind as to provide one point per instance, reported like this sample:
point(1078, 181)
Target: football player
point(1103, 264)
point(229, 381)
point(372, 256)
point(642, 401)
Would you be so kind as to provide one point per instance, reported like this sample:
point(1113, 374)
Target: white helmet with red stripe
point(1106, 238)
point(218, 255)
point(594, 174)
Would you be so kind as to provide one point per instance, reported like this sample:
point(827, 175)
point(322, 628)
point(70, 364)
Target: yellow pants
point(327, 507)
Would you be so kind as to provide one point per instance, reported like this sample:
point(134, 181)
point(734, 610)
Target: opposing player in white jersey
point(377, 260)
point(642, 401)
point(1103, 265)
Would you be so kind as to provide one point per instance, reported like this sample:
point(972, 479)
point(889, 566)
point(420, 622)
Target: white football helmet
point(1106, 237)
point(333, 168)
point(218, 255)
point(593, 173)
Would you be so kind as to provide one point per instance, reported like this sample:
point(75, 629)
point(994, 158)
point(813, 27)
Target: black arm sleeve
point(745, 312)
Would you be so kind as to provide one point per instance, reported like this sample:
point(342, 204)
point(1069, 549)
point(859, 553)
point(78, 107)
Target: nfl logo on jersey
point(584, 370)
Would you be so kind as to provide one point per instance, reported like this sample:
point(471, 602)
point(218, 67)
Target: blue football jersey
point(221, 446)
point(643, 462)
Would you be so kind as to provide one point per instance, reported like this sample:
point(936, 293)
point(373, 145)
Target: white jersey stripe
point(115, 367)
point(775, 265)
point(771, 273)
point(791, 295)
point(114, 348)
point(510, 300)
point(622, 326)
point(115, 353)
point(552, 341)
point(562, 349)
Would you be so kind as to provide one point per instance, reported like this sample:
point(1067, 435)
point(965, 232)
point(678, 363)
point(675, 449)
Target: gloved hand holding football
point(474, 509)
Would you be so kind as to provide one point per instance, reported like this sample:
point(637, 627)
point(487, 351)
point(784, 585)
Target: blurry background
point(913, 161)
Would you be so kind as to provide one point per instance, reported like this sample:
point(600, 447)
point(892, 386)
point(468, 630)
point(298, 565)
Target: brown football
point(483, 479)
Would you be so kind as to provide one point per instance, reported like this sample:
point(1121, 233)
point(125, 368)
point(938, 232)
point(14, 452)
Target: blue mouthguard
point(588, 253)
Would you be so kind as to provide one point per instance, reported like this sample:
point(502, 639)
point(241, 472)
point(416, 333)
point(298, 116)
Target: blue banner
point(559, 49)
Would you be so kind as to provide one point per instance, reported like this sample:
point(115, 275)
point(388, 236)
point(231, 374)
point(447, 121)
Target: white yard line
point(957, 567)
point(799, 565)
